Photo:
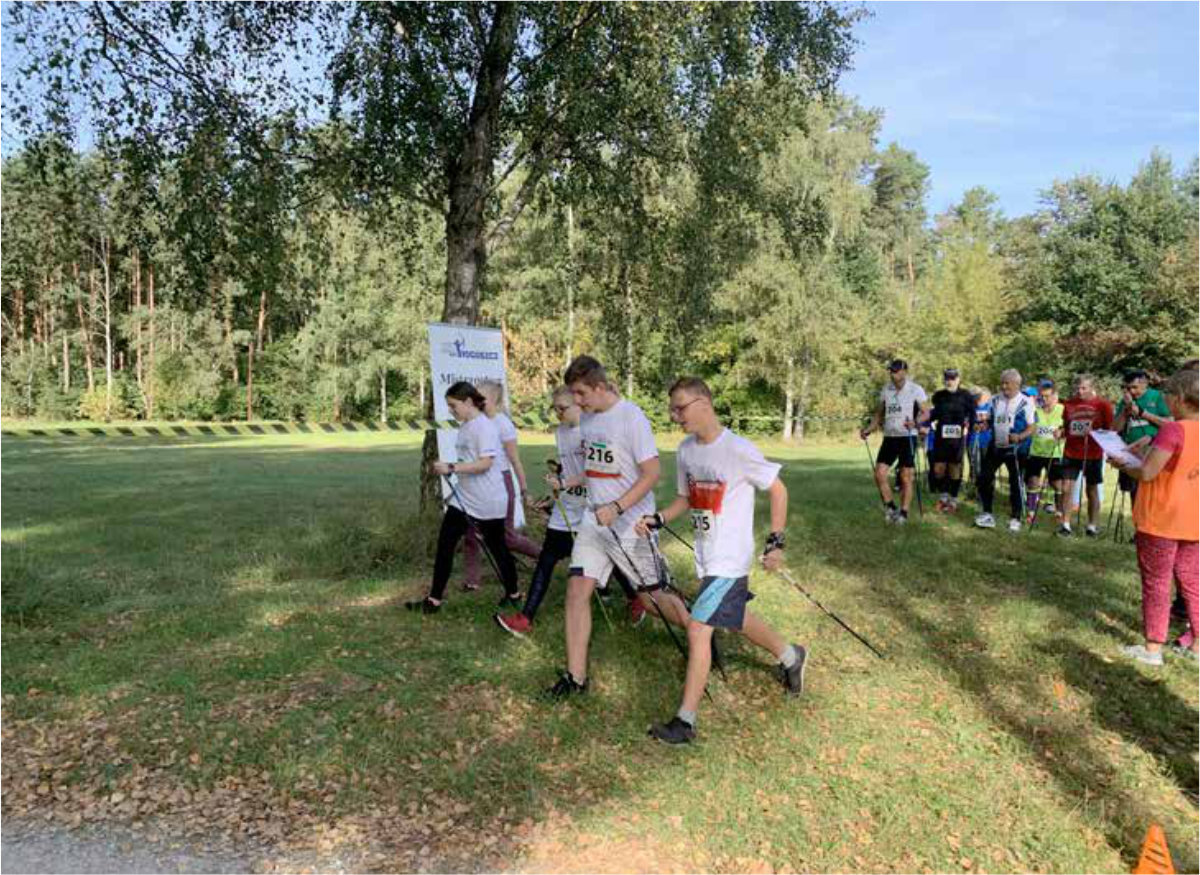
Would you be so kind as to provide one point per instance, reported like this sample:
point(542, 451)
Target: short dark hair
point(587, 370)
point(464, 391)
point(1137, 374)
point(1185, 385)
point(691, 384)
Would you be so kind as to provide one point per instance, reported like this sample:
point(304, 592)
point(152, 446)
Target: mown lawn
point(202, 638)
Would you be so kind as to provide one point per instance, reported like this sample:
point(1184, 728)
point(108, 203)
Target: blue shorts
point(722, 602)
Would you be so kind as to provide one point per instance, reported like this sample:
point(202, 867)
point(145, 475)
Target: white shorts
point(596, 551)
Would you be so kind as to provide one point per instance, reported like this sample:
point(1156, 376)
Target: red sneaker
point(637, 612)
point(515, 624)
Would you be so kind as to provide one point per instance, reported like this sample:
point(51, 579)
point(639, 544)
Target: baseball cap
point(898, 365)
point(1045, 383)
point(950, 373)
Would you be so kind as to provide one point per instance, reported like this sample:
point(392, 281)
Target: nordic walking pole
point(669, 585)
point(786, 575)
point(657, 608)
point(1048, 482)
point(557, 468)
point(871, 462)
point(472, 523)
point(912, 443)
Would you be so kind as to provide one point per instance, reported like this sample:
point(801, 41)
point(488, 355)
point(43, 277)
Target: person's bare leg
point(758, 632)
point(906, 488)
point(579, 625)
point(881, 481)
point(1093, 499)
point(672, 606)
point(698, 666)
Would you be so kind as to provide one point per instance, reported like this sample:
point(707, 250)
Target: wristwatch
point(775, 541)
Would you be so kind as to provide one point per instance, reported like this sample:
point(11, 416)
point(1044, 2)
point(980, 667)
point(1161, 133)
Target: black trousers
point(454, 527)
point(556, 547)
point(992, 460)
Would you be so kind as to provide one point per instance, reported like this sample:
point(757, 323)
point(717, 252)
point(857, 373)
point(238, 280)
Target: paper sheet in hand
point(1115, 448)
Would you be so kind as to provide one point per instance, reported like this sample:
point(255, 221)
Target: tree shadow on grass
point(968, 574)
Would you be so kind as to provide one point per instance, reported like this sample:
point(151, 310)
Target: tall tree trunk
point(19, 316)
point(227, 316)
point(383, 396)
point(105, 250)
point(137, 323)
point(468, 177)
point(66, 357)
point(789, 398)
point(85, 326)
point(421, 389)
point(802, 396)
point(570, 283)
point(262, 318)
point(627, 296)
point(153, 341)
point(250, 381)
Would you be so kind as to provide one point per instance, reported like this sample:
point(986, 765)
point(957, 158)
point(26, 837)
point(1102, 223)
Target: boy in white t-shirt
point(621, 466)
point(717, 475)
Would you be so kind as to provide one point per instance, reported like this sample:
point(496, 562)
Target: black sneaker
point(793, 678)
point(675, 731)
point(424, 606)
point(510, 601)
point(566, 687)
point(1064, 532)
point(1091, 532)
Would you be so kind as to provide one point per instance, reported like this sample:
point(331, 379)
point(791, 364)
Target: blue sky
point(1012, 96)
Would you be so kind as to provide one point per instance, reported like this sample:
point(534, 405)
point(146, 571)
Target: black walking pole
point(786, 575)
point(665, 572)
point(657, 608)
point(557, 468)
point(473, 524)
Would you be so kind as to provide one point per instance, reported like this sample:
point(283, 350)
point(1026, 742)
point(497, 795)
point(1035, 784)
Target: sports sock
point(788, 658)
point(688, 717)
point(891, 505)
point(955, 485)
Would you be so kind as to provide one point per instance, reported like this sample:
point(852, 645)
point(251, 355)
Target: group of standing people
point(1042, 441)
point(603, 517)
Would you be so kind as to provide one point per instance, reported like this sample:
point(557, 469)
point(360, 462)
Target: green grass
point(202, 636)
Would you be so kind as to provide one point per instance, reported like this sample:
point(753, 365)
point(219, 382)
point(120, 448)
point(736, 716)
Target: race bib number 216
point(601, 461)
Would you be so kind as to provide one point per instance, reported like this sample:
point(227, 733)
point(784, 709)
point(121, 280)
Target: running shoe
point(1064, 531)
point(1139, 653)
point(1014, 525)
point(900, 519)
point(793, 678)
point(985, 521)
point(516, 624)
point(565, 687)
point(674, 731)
point(424, 606)
point(1091, 532)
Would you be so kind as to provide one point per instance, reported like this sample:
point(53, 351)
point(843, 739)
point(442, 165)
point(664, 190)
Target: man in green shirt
point(1139, 414)
point(1045, 453)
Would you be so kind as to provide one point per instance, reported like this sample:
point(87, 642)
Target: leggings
point(515, 540)
point(455, 524)
point(986, 483)
point(556, 547)
point(1161, 560)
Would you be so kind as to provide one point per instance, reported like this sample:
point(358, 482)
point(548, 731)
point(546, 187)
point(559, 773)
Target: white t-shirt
point(508, 432)
point(719, 480)
point(483, 494)
point(1011, 415)
point(569, 441)
point(615, 442)
point(899, 405)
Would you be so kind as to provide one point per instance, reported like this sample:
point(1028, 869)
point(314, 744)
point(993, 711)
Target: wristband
point(775, 541)
point(620, 510)
point(451, 468)
point(656, 521)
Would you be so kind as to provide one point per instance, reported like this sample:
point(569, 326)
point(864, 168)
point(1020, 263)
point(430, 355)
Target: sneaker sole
point(509, 629)
point(803, 668)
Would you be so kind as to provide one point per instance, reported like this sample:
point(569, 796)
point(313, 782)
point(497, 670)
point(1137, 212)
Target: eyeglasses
point(560, 410)
point(677, 409)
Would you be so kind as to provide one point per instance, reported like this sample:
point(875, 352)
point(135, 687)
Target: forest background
point(245, 213)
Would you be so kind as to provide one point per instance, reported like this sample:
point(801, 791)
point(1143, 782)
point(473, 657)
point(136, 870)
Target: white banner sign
point(461, 352)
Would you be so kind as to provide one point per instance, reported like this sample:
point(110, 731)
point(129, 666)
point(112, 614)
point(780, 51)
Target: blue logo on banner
point(458, 348)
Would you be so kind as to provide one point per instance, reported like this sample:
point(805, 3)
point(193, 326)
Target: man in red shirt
point(1084, 413)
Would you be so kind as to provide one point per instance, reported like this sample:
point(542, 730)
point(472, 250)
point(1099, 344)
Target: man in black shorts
point(953, 413)
point(903, 405)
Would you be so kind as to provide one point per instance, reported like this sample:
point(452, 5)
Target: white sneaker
point(1014, 525)
point(1091, 532)
point(1141, 654)
point(985, 521)
point(900, 519)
